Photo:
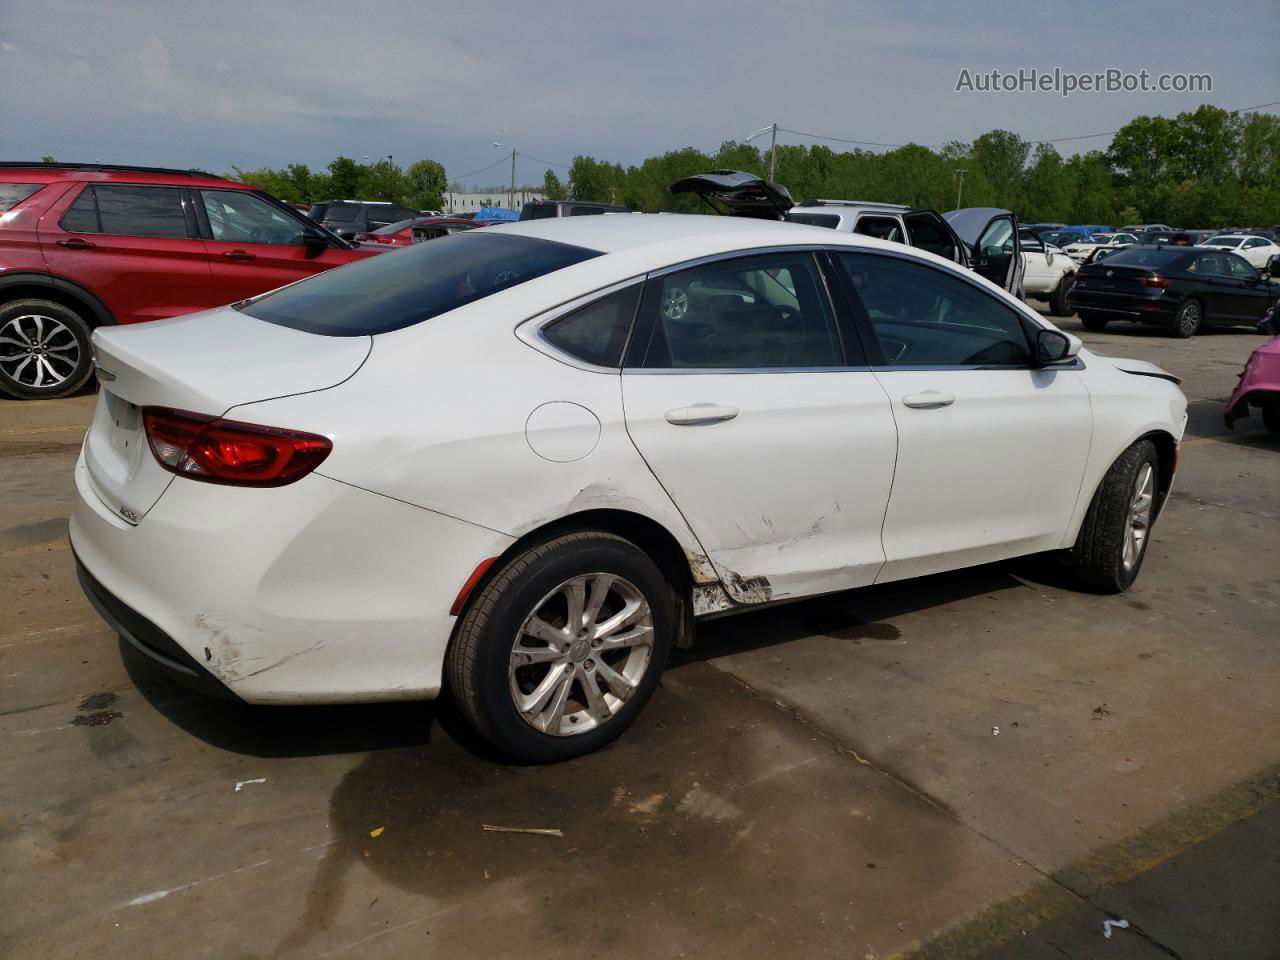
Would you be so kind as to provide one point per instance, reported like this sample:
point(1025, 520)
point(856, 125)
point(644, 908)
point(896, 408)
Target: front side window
point(1240, 268)
point(752, 313)
point(923, 316)
point(422, 281)
point(12, 194)
point(130, 211)
point(597, 333)
point(237, 216)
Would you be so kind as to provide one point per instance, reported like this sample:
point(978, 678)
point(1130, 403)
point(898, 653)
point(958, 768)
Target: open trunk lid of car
point(741, 194)
point(205, 363)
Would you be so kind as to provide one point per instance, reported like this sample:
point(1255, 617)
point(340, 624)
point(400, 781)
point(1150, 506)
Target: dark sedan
point(1177, 288)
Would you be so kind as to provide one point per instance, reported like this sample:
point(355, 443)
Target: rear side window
point(584, 211)
point(12, 194)
point(815, 219)
point(128, 211)
point(883, 228)
point(753, 313)
point(344, 212)
point(422, 281)
point(597, 333)
point(82, 217)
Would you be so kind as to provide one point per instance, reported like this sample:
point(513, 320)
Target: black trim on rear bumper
point(148, 639)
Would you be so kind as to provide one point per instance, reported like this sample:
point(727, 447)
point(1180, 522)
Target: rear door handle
point(700, 413)
point(76, 243)
point(239, 255)
point(928, 400)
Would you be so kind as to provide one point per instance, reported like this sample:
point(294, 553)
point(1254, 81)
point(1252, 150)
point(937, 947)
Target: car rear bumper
point(318, 592)
point(1151, 309)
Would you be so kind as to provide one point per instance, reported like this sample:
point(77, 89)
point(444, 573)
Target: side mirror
point(315, 241)
point(1054, 346)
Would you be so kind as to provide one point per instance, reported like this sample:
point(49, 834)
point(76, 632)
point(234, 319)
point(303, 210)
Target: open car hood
point(739, 194)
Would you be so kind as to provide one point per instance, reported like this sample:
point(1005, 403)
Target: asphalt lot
point(983, 763)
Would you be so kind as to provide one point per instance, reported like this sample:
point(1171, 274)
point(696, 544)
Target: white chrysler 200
point(520, 462)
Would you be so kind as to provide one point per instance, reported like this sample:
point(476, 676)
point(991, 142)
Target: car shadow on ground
point(1204, 420)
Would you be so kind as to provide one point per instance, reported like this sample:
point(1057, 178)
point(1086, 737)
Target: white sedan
point(1080, 250)
point(521, 462)
point(1257, 250)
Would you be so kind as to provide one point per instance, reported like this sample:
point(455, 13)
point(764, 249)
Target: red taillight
point(225, 451)
point(1163, 283)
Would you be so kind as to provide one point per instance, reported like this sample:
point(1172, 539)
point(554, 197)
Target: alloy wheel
point(1189, 320)
point(581, 654)
point(675, 303)
point(1139, 525)
point(38, 351)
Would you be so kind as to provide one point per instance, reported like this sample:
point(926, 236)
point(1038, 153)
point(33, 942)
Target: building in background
point(457, 203)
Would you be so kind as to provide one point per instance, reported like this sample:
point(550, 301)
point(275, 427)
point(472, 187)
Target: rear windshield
point(815, 219)
point(394, 227)
point(539, 211)
point(334, 211)
point(1160, 257)
point(396, 290)
point(12, 194)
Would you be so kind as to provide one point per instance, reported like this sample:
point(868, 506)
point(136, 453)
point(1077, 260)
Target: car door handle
point(700, 413)
point(239, 255)
point(928, 400)
point(75, 243)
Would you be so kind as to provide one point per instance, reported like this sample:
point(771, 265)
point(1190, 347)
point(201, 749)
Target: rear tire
point(517, 643)
point(1058, 305)
point(1187, 320)
point(44, 350)
point(1117, 529)
point(1091, 321)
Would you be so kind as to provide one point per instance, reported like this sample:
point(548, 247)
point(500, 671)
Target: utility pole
point(960, 189)
point(513, 179)
point(773, 154)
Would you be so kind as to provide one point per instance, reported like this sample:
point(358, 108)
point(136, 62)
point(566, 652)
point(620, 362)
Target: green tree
point(1049, 187)
point(1002, 157)
point(47, 159)
point(552, 188)
point(344, 179)
point(426, 182)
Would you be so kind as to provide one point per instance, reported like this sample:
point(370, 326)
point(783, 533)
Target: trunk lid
point(205, 363)
point(740, 194)
point(1107, 278)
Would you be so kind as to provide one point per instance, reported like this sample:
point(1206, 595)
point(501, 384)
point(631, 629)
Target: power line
point(936, 146)
point(549, 163)
point(502, 159)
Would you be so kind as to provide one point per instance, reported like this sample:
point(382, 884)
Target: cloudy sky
point(178, 83)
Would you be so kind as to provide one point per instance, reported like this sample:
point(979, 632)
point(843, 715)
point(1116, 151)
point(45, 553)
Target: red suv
point(82, 245)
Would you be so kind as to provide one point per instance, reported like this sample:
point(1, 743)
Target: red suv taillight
point(208, 448)
point(1164, 283)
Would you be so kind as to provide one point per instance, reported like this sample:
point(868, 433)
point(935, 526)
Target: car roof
point(113, 173)
point(629, 231)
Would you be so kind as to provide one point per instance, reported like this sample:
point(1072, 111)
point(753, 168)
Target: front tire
point(1187, 320)
point(1271, 414)
point(44, 350)
point(1058, 305)
point(1113, 538)
point(562, 648)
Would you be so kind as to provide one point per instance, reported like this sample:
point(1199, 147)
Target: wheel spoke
point(619, 684)
point(630, 612)
point(534, 702)
point(527, 656)
point(575, 595)
point(600, 587)
point(539, 629)
point(550, 720)
point(596, 706)
point(39, 337)
point(635, 637)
